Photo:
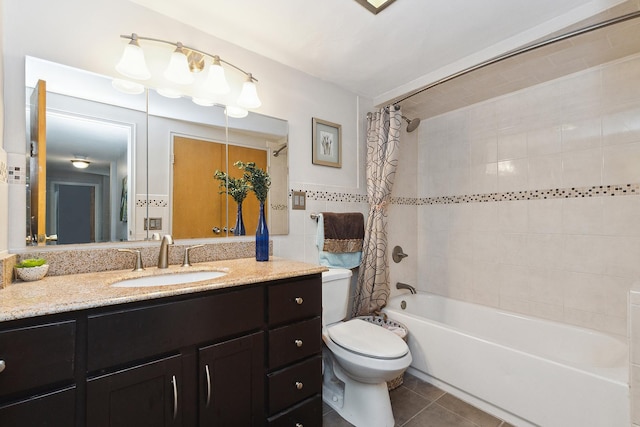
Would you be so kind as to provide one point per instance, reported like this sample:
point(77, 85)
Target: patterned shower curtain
point(383, 138)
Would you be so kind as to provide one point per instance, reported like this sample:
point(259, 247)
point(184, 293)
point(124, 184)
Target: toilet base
point(363, 405)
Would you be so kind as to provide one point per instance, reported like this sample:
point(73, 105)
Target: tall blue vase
point(239, 230)
point(262, 237)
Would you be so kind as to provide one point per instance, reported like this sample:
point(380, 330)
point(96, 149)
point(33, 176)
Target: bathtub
point(524, 370)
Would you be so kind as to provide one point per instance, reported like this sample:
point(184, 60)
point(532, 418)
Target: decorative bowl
point(29, 274)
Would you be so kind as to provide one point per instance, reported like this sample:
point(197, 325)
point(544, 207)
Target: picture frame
point(326, 143)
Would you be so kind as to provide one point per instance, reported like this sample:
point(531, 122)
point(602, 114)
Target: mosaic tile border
point(553, 193)
point(328, 196)
point(16, 175)
point(155, 201)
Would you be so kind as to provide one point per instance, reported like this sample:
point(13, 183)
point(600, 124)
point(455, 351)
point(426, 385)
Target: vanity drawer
point(294, 384)
point(56, 409)
point(307, 414)
point(37, 356)
point(294, 342)
point(296, 300)
point(129, 335)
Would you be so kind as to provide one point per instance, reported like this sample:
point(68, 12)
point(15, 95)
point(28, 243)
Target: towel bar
point(314, 216)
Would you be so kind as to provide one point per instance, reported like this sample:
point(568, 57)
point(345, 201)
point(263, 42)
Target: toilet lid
point(365, 338)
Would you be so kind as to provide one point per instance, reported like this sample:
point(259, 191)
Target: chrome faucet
point(411, 289)
point(163, 256)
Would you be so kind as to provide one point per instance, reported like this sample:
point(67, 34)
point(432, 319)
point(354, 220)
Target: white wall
point(86, 35)
point(515, 211)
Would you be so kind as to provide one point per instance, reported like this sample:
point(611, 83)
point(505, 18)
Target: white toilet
point(358, 358)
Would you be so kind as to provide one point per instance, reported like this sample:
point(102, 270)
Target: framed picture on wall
point(327, 143)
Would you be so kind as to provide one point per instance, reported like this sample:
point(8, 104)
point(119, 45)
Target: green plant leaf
point(31, 262)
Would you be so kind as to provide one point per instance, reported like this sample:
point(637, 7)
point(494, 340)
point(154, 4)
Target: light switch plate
point(299, 200)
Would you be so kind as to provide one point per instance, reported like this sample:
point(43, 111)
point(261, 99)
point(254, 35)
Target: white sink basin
point(169, 279)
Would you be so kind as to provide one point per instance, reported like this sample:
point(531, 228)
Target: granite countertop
point(58, 294)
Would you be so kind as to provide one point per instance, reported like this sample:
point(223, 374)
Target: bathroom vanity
point(244, 349)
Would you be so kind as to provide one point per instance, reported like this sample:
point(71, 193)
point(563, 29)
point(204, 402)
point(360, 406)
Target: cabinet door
point(232, 382)
point(143, 396)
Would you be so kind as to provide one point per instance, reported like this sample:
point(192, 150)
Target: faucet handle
point(186, 262)
point(139, 266)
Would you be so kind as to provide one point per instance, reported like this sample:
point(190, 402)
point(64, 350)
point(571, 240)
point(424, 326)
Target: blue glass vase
point(262, 237)
point(239, 230)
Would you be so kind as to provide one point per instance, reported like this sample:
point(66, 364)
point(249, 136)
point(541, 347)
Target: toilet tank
point(336, 284)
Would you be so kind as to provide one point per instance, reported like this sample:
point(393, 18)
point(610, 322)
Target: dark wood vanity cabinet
point(37, 369)
point(294, 366)
point(242, 356)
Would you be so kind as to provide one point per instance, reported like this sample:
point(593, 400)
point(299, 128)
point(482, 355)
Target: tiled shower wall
point(530, 202)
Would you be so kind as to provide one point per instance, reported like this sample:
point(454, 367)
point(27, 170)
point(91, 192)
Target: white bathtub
point(524, 370)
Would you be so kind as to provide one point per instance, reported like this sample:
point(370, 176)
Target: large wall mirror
point(109, 166)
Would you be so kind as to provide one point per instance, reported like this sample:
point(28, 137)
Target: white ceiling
point(407, 46)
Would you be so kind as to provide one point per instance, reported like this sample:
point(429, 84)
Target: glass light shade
point(128, 87)
point(132, 63)
point(80, 163)
point(249, 96)
point(216, 82)
point(169, 93)
point(236, 112)
point(178, 69)
point(204, 102)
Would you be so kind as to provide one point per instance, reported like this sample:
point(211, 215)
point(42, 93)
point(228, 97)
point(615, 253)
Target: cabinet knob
point(299, 300)
point(2, 365)
point(299, 425)
point(298, 343)
point(299, 385)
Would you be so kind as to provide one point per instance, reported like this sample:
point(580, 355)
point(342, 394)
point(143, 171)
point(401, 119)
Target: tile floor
point(420, 404)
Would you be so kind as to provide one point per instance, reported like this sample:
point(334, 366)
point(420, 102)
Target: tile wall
point(529, 202)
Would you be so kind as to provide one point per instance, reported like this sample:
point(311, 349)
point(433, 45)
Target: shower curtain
point(383, 138)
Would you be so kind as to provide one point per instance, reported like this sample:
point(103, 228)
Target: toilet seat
point(367, 339)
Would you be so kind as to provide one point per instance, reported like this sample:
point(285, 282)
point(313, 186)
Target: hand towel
point(339, 239)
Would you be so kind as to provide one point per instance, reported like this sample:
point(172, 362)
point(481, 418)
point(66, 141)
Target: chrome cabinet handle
point(299, 385)
point(175, 396)
point(299, 425)
point(299, 300)
point(2, 365)
point(298, 343)
point(206, 371)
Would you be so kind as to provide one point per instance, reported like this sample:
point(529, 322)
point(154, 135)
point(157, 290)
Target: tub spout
point(411, 289)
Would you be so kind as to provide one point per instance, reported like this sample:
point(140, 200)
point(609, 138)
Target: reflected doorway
point(75, 214)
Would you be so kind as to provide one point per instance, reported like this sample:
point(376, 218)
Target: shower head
point(412, 124)
point(277, 152)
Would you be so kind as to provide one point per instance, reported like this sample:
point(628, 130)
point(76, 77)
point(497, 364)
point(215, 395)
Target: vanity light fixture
point(181, 70)
point(80, 162)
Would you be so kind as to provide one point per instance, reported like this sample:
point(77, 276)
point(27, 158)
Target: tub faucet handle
point(397, 254)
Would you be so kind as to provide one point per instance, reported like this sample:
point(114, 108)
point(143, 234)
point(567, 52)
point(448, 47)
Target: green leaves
point(237, 188)
point(31, 262)
point(258, 179)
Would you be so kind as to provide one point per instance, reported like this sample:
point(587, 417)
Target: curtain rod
point(524, 49)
